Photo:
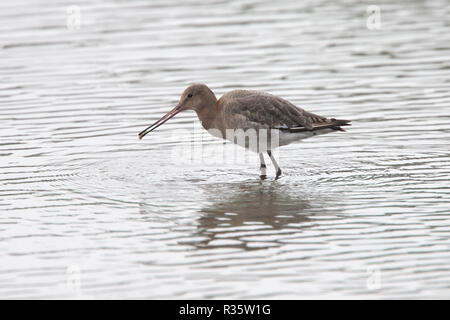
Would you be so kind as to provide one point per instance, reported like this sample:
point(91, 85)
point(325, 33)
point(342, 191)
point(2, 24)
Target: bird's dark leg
point(275, 164)
point(262, 167)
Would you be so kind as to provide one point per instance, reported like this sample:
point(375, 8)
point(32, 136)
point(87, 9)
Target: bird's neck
point(208, 115)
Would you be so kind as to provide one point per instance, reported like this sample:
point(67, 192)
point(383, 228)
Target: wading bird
point(255, 120)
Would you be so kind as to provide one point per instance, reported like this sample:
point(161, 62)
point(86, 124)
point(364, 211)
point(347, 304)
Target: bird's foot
point(278, 174)
point(263, 177)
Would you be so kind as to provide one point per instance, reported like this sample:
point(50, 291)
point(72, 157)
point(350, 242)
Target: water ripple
point(163, 218)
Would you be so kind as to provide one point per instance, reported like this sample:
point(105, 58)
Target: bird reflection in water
point(235, 209)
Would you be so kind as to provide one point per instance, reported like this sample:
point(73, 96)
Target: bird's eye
point(190, 95)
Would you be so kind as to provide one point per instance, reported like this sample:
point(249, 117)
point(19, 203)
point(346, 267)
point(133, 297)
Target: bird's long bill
point(161, 121)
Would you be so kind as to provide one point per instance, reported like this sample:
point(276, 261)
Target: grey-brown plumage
point(241, 110)
point(253, 109)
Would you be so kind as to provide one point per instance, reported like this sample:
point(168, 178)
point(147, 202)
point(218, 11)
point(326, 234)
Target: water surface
point(88, 210)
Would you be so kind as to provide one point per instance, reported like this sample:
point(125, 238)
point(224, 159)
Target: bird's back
point(245, 109)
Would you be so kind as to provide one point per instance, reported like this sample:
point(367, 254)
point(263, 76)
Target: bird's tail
point(337, 123)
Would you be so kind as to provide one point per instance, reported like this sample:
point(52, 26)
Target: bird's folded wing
point(251, 109)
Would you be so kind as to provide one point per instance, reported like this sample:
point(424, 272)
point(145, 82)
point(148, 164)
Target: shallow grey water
point(87, 210)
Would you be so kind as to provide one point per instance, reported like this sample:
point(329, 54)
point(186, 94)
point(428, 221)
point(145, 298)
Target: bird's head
point(196, 97)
